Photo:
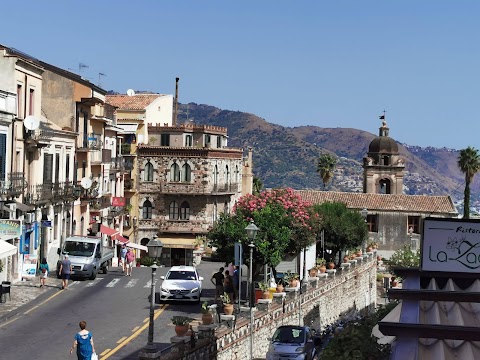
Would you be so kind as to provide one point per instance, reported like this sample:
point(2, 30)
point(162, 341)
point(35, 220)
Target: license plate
point(178, 296)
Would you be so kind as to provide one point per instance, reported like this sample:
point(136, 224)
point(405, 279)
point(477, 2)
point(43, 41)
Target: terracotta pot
point(379, 257)
point(279, 288)
point(207, 319)
point(312, 272)
point(266, 294)
point(369, 249)
point(181, 330)
point(138, 264)
point(322, 269)
point(345, 259)
point(228, 309)
point(359, 253)
point(293, 283)
point(331, 265)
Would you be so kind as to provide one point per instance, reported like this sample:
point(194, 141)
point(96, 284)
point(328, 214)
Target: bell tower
point(383, 168)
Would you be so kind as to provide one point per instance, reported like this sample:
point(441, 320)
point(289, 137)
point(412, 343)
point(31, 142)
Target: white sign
point(451, 245)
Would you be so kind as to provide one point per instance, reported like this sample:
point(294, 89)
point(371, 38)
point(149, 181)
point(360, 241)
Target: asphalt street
point(116, 310)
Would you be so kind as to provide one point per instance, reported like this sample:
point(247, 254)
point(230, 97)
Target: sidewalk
point(22, 293)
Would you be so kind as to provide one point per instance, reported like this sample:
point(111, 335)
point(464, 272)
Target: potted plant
point(321, 265)
point(138, 264)
point(331, 264)
point(181, 324)
point(280, 286)
point(264, 287)
point(227, 304)
point(291, 279)
point(207, 317)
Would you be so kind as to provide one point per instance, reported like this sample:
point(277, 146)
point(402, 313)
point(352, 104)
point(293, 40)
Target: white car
point(181, 283)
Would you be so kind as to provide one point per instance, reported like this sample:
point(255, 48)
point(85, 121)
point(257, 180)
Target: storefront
point(176, 251)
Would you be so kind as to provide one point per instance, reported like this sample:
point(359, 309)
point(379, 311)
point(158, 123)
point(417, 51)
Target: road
point(116, 310)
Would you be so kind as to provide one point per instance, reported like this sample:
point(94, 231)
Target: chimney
point(176, 103)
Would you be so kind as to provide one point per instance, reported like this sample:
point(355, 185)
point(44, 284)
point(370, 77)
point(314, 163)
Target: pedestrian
point(65, 270)
point(44, 269)
point(130, 258)
point(228, 285)
point(236, 280)
point(218, 283)
point(84, 343)
point(123, 254)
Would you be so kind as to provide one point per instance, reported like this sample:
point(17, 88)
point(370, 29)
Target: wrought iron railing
point(12, 184)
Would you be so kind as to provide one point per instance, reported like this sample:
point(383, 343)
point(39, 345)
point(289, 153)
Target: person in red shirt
point(130, 258)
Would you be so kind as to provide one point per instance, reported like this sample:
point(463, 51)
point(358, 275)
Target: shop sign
point(10, 228)
point(118, 201)
point(29, 267)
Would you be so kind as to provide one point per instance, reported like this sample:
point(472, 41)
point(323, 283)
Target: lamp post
point(154, 250)
point(251, 231)
point(364, 213)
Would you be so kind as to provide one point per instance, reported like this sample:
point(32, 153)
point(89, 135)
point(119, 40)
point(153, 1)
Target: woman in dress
point(43, 271)
point(83, 342)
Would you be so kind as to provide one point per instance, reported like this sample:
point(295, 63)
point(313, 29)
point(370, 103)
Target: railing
point(40, 134)
point(125, 149)
point(100, 203)
point(90, 141)
point(181, 188)
point(225, 188)
point(12, 185)
point(117, 164)
point(129, 184)
point(95, 157)
point(56, 192)
point(116, 211)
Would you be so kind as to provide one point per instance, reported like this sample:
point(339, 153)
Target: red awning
point(109, 231)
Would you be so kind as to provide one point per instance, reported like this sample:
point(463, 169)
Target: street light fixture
point(251, 231)
point(154, 250)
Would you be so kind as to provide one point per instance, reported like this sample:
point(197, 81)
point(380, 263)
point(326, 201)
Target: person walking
point(218, 283)
point(123, 254)
point(65, 270)
point(228, 285)
point(44, 269)
point(83, 342)
point(130, 258)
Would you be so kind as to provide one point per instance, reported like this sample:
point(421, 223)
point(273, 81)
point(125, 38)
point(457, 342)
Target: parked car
point(181, 283)
point(293, 342)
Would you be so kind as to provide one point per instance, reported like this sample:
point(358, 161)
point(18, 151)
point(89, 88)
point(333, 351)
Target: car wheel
point(94, 275)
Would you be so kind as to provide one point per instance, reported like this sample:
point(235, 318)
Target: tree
point(343, 228)
point(286, 224)
point(469, 164)
point(257, 185)
point(326, 167)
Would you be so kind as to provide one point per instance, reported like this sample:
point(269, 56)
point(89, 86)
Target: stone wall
point(324, 301)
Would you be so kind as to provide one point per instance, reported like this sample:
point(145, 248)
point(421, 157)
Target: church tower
point(383, 168)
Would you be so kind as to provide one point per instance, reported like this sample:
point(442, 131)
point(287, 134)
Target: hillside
point(286, 156)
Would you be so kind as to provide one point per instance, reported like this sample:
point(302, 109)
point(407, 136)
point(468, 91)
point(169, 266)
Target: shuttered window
point(48, 168)
point(57, 167)
point(3, 154)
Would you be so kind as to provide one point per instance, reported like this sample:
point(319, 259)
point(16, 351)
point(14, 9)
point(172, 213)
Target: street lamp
point(364, 213)
point(154, 250)
point(251, 231)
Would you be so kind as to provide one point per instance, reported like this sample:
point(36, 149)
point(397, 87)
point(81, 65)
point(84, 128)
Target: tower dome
point(383, 143)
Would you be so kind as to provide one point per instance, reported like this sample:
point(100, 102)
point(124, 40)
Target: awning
point(6, 249)
point(127, 242)
point(23, 207)
point(128, 128)
point(109, 231)
point(177, 243)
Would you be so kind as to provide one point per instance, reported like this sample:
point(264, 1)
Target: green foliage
point(469, 164)
point(257, 185)
point(326, 168)
point(343, 228)
point(288, 276)
point(404, 257)
point(225, 298)
point(205, 309)
point(356, 340)
point(263, 286)
point(181, 320)
point(147, 261)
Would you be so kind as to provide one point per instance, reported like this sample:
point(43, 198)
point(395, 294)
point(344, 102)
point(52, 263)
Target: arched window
point(175, 173)
point(227, 175)
point(385, 186)
point(147, 210)
point(186, 173)
point(148, 176)
point(173, 211)
point(184, 211)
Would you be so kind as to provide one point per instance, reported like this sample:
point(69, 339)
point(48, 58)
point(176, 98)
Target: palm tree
point(469, 164)
point(326, 167)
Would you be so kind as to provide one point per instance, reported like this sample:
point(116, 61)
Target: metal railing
point(225, 188)
point(90, 141)
point(12, 184)
point(58, 191)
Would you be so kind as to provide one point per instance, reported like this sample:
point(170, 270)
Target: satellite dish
point(86, 183)
point(31, 122)
point(130, 92)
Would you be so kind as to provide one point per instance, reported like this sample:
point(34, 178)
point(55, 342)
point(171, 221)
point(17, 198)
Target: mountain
point(286, 157)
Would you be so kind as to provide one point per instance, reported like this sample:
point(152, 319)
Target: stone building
point(187, 177)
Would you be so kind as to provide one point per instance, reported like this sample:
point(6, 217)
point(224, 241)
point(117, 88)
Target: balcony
point(182, 188)
point(13, 186)
point(225, 188)
point(99, 203)
point(54, 192)
point(184, 226)
point(128, 149)
point(89, 141)
point(129, 185)
point(116, 211)
point(39, 137)
point(117, 164)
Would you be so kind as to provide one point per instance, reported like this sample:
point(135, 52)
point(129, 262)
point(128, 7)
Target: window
point(384, 186)
point(372, 223)
point(227, 175)
point(31, 102)
point(147, 210)
point(215, 176)
point(219, 142)
point(19, 101)
point(3, 154)
point(165, 140)
point(57, 168)
point(188, 140)
point(67, 167)
point(184, 211)
point(186, 173)
point(207, 139)
point(173, 211)
point(48, 168)
point(175, 173)
point(414, 223)
point(148, 173)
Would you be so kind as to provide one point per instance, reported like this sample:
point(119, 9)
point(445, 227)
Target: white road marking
point(112, 283)
point(94, 282)
point(149, 284)
point(131, 283)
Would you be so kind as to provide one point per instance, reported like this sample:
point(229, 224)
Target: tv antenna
point(82, 66)
point(100, 74)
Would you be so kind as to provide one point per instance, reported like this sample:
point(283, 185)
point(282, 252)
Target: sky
point(324, 63)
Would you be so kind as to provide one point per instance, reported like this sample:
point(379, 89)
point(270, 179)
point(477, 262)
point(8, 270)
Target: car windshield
point(77, 248)
point(289, 335)
point(181, 275)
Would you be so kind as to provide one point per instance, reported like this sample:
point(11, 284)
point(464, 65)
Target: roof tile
point(135, 102)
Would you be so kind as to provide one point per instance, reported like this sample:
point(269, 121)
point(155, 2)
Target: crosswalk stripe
point(112, 283)
point(131, 283)
point(94, 282)
point(149, 284)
